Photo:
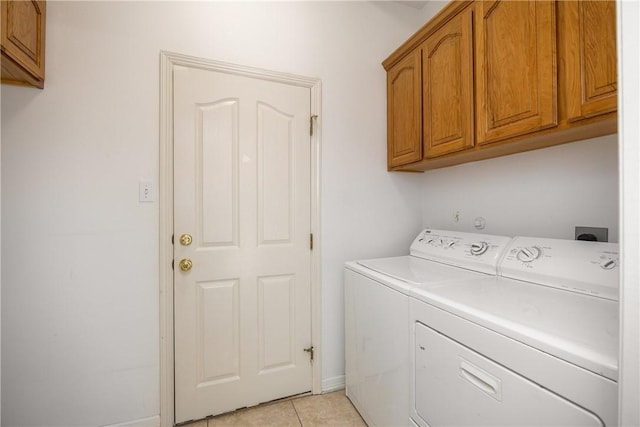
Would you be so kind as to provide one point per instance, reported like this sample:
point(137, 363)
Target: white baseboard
point(143, 422)
point(333, 384)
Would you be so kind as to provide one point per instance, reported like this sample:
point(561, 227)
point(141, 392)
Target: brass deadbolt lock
point(186, 264)
point(186, 239)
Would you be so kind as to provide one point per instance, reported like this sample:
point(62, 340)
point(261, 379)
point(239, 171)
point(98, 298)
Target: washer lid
point(418, 271)
point(574, 327)
point(478, 252)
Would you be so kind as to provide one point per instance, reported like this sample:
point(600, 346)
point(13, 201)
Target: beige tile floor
point(324, 410)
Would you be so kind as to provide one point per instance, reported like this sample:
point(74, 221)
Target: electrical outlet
point(601, 234)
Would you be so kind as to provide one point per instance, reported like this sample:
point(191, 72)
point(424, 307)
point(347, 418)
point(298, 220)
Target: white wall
point(80, 254)
point(539, 193)
point(431, 8)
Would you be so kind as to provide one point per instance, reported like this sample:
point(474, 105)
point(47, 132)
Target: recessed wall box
point(594, 234)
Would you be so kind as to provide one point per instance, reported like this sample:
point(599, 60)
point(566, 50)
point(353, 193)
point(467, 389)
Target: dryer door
point(457, 386)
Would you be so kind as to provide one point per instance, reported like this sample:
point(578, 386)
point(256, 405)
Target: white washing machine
point(377, 314)
point(537, 345)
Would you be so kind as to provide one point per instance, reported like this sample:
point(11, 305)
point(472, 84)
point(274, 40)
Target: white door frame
point(168, 61)
point(628, 155)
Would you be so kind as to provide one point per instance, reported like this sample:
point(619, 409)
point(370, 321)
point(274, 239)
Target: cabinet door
point(590, 58)
point(516, 68)
point(23, 35)
point(447, 66)
point(404, 111)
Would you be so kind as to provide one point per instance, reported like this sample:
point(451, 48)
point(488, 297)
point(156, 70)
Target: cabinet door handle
point(481, 379)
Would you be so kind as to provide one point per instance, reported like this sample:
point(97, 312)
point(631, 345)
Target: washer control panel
point(478, 252)
point(585, 267)
point(529, 254)
point(479, 248)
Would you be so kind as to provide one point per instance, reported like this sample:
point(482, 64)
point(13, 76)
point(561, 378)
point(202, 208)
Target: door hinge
point(173, 264)
point(311, 241)
point(172, 239)
point(310, 351)
point(311, 119)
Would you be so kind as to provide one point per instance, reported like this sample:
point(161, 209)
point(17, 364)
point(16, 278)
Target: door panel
point(276, 322)
point(404, 111)
point(448, 87)
point(217, 332)
point(455, 386)
point(516, 68)
point(242, 189)
point(597, 31)
point(275, 169)
point(217, 145)
point(591, 65)
point(23, 34)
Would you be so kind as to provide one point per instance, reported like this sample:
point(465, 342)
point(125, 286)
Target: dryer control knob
point(529, 254)
point(479, 248)
point(608, 264)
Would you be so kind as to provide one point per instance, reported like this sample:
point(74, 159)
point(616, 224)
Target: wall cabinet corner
point(23, 25)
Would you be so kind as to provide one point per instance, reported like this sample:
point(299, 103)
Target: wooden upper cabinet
point(590, 52)
point(23, 40)
point(447, 78)
point(404, 111)
point(489, 78)
point(516, 68)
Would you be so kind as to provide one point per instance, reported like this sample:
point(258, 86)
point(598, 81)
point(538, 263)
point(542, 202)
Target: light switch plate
point(146, 193)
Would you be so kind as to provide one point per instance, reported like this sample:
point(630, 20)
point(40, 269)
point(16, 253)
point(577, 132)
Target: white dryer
point(377, 314)
point(537, 345)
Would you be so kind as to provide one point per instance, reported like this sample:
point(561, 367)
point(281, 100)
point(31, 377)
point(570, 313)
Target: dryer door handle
point(481, 379)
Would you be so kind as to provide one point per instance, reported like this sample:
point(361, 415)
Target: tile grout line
point(297, 415)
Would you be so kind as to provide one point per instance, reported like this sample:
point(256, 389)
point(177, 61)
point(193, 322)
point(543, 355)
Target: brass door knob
point(186, 239)
point(186, 264)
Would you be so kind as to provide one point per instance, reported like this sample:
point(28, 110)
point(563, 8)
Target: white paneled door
point(242, 229)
